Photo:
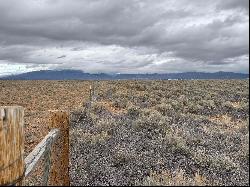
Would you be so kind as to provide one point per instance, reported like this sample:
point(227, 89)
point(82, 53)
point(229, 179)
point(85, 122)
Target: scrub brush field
point(175, 132)
point(162, 133)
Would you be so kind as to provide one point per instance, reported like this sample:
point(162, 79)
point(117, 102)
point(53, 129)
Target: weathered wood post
point(93, 94)
point(90, 93)
point(60, 152)
point(12, 165)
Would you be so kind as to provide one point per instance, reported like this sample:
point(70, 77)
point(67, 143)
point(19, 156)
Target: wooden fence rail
point(38, 152)
point(54, 148)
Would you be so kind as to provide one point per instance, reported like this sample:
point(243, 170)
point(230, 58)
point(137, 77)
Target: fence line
point(54, 148)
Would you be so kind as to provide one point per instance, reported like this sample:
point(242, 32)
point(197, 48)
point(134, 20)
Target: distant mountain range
point(79, 75)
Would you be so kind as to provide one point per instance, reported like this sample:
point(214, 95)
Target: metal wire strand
point(19, 179)
point(12, 163)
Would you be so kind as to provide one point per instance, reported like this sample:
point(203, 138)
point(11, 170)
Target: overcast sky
point(124, 36)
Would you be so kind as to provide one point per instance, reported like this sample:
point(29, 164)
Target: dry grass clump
point(176, 178)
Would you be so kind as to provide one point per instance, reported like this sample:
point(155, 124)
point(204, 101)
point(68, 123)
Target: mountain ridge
point(80, 75)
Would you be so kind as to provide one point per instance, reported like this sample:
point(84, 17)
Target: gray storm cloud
point(132, 36)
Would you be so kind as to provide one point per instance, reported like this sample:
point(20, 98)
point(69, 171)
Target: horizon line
point(118, 73)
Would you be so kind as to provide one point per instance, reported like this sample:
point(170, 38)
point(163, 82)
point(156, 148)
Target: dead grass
point(221, 119)
point(176, 178)
point(114, 110)
point(236, 104)
point(227, 124)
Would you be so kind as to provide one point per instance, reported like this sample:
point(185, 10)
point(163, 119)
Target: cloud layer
point(117, 36)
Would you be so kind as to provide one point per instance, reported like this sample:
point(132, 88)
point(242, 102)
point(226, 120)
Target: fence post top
point(4, 108)
point(14, 106)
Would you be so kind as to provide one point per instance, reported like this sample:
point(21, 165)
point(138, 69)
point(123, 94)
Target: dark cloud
point(127, 36)
point(233, 4)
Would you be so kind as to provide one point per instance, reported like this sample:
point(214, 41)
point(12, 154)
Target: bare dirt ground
point(38, 97)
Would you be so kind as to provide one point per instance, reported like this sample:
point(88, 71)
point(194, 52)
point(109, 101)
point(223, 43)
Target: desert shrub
point(244, 151)
point(153, 101)
point(97, 138)
point(140, 87)
point(157, 87)
point(109, 93)
point(164, 108)
point(98, 108)
point(194, 108)
point(119, 103)
point(133, 112)
point(169, 179)
point(218, 164)
point(121, 157)
point(177, 143)
point(208, 104)
point(245, 106)
point(106, 124)
point(142, 100)
point(176, 105)
point(154, 116)
point(153, 121)
point(227, 105)
point(183, 99)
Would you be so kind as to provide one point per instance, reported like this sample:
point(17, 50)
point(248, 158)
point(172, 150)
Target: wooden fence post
point(12, 166)
point(90, 93)
point(60, 152)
